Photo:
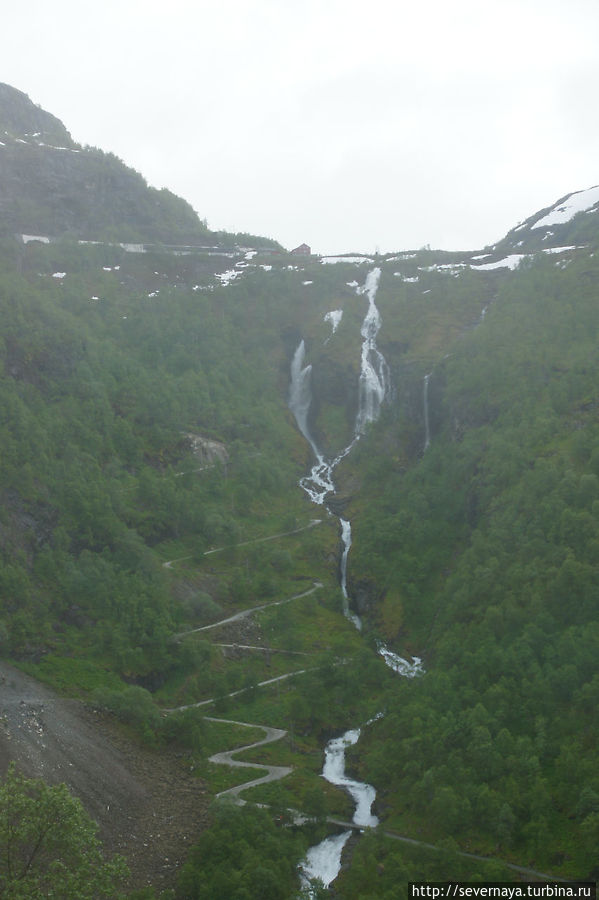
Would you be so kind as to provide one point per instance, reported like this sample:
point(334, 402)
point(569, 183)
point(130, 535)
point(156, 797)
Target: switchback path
point(262, 649)
point(248, 612)
point(273, 773)
point(268, 681)
point(271, 537)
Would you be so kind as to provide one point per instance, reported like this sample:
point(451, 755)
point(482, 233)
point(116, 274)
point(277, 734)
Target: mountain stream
point(324, 860)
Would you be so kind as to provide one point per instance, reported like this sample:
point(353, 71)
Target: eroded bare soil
point(148, 805)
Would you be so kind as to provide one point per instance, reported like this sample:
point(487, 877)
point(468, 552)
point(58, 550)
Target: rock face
point(206, 451)
point(53, 186)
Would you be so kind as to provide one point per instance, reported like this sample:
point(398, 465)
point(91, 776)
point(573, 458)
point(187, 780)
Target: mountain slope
point(53, 186)
point(571, 220)
point(473, 500)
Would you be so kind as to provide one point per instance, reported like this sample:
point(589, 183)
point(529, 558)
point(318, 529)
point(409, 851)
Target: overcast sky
point(348, 125)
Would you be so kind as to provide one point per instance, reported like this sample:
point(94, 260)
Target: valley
point(254, 501)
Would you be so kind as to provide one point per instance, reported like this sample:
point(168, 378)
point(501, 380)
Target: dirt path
point(273, 773)
point(522, 870)
point(261, 649)
point(148, 805)
point(248, 612)
point(271, 537)
point(175, 709)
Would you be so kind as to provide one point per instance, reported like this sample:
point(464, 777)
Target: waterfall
point(427, 432)
point(318, 484)
point(373, 387)
point(334, 317)
point(399, 664)
point(334, 772)
point(323, 861)
point(374, 372)
point(346, 541)
point(300, 395)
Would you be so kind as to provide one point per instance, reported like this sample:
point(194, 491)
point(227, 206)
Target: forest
point(475, 550)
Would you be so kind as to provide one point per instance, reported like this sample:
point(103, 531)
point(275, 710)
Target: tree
point(48, 845)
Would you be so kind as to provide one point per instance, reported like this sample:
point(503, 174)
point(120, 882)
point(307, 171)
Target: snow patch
point(226, 278)
point(356, 260)
point(562, 249)
point(509, 262)
point(580, 201)
point(35, 237)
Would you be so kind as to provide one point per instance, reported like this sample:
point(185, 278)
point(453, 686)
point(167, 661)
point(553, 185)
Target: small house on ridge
point(302, 250)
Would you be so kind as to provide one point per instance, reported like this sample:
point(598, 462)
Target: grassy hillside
point(122, 537)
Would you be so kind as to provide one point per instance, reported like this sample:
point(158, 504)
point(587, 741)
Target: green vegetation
point(122, 540)
point(382, 867)
point(485, 550)
point(244, 855)
point(96, 398)
point(48, 845)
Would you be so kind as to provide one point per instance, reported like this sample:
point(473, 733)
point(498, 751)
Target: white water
point(399, 664)
point(323, 861)
point(346, 541)
point(373, 387)
point(374, 372)
point(334, 317)
point(319, 482)
point(300, 395)
point(334, 772)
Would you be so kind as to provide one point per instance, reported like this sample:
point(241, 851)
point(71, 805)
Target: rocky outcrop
point(206, 451)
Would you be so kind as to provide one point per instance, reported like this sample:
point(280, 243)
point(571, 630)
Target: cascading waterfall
point(334, 772)
point(373, 387)
point(346, 541)
point(300, 395)
point(374, 372)
point(319, 482)
point(323, 861)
